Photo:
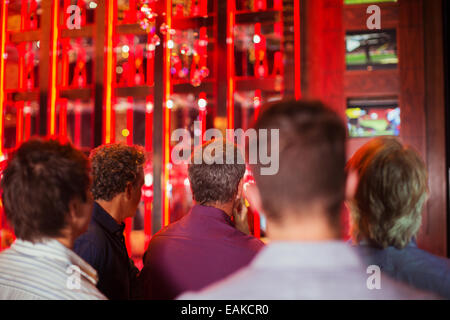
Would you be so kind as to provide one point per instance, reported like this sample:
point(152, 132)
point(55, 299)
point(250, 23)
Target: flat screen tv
point(373, 117)
point(368, 50)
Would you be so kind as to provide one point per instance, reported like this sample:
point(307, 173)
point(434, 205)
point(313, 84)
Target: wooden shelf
point(23, 95)
point(251, 17)
point(252, 83)
point(77, 93)
point(372, 83)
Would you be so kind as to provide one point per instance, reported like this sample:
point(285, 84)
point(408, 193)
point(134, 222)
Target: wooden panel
point(73, 94)
point(136, 92)
point(435, 109)
point(192, 22)
point(324, 60)
point(250, 83)
point(86, 31)
point(371, 83)
point(130, 29)
point(186, 87)
point(414, 115)
point(33, 35)
point(355, 16)
point(254, 17)
point(23, 96)
point(354, 144)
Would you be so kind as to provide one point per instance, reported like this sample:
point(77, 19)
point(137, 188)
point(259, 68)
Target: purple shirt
point(199, 249)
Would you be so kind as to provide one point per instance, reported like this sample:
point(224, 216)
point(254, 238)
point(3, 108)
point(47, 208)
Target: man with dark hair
point(118, 179)
point(203, 246)
point(302, 202)
point(48, 203)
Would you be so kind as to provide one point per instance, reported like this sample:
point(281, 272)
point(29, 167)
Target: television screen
point(371, 118)
point(371, 50)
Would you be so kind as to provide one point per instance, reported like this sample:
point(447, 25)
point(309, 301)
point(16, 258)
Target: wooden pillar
point(435, 239)
point(157, 138)
point(324, 49)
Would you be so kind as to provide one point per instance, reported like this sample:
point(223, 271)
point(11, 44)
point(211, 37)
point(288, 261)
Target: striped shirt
point(45, 270)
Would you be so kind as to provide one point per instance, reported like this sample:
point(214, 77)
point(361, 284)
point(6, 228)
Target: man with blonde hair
point(386, 214)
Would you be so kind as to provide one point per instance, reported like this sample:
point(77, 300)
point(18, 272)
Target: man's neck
point(225, 207)
point(303, 227)
point(112, 208)
point(66, 240)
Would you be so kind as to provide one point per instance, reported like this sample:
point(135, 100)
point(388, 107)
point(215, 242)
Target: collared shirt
point(103, 247)
point(412, 265)
point(45, 270)
point(189, 254)
point(305, 270)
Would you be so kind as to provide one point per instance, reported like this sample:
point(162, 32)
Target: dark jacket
point(103, 247)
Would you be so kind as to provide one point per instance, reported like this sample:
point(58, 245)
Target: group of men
point(68, 213)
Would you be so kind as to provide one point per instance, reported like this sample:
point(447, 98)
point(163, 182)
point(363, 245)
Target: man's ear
point(240, 189)
point(351, 184)
point(251, 193)
point(129, 190)
point(73, 209)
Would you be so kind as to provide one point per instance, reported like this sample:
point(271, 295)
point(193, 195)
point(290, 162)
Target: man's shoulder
point(243, 240)
point(393, 289)
point(10, 292)
point(92, 246)
point(234, 286)
point(409, 263)
point(95, 236)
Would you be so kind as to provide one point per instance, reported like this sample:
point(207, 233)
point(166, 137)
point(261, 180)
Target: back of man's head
point(392, 189)
point(38, 183)
point(312, 160)
point(215, 171)
point(113, 167)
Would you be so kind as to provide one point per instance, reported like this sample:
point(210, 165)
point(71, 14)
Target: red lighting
point(297, 49)
point(166, 116)
point(230, 62)
point(2, 70)
point(202, 104)
point(108, 137)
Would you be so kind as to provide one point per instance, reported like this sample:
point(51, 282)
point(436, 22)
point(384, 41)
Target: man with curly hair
point(118, 177)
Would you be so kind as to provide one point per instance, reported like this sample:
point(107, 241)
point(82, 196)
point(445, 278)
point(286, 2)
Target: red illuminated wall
point(108, 79)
